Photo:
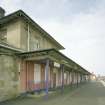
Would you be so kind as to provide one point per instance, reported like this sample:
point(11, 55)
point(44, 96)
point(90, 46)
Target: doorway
point(54, 80)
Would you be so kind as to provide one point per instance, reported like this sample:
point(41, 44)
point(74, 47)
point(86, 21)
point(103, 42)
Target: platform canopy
point(53, 55)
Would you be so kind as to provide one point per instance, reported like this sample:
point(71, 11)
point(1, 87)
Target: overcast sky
point(79, 25)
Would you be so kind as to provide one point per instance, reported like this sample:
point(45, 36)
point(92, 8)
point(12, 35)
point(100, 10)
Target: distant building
point(101, 78)
point(93, 76)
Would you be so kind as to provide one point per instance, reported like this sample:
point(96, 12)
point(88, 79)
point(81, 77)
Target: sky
point(79, 25)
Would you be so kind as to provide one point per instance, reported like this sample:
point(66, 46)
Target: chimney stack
point(2, 12)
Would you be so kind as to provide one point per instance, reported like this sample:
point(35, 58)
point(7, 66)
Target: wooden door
point(54, 80)
point(23, 77)
point(26, 76)
point(37, 76)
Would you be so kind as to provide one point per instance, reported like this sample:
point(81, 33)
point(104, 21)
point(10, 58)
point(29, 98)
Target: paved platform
point(88, 94)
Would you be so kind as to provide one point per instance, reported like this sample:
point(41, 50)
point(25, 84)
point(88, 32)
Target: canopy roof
point(53, 55)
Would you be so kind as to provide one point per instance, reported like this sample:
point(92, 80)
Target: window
point(37, 44)
point(3, 35)
point(34, 43)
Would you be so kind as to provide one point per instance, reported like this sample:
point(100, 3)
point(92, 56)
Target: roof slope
point(22, 14)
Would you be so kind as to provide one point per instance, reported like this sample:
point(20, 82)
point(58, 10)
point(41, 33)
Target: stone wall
point(8, 77)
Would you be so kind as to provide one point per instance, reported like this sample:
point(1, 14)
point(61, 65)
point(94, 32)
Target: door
point(37, 76)
point(54, 80)
point(23, 77)
point(26, 76)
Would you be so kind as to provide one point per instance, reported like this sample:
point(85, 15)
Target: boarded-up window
point(37, 73)
point(65, 76)
point(3, 35)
